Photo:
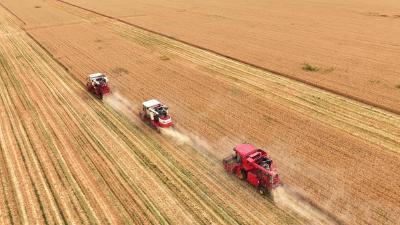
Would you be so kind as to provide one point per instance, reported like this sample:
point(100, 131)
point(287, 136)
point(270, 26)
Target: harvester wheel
point(243, 175)
point(143, 117)
point(263, 191)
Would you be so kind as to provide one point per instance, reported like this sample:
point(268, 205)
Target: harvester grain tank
point(97, 84)
point(156, 114)
point(253, 165)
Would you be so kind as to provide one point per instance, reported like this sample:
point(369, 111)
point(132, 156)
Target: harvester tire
point(243, 175)
point(263, 191)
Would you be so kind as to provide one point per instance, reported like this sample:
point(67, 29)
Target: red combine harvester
point(97, 84)
point(156, 114)
point(255, 166)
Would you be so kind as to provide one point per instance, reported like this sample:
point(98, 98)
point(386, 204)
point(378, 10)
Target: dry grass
point(120, 70)
point(309, 68)
point(164, 58)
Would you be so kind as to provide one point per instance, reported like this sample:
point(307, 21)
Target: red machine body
point(156, 114)
point(255, 166)
point(98, 85)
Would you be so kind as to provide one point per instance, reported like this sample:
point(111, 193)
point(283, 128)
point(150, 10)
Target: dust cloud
point(178, 137)
point(184, 137)
point(292, 200)
point(120, 104)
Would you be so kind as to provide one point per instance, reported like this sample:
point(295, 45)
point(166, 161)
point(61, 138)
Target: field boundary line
point(12, 13)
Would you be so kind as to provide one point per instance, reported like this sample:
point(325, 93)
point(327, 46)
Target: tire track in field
point(86, 125)
point(55, 211)
point(18, 130)
point(47, 131)
point(20, 135)
point(59, 124)
point(8, 200)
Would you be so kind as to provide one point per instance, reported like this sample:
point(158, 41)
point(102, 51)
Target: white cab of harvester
point(156, 113)
point(95, 78)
